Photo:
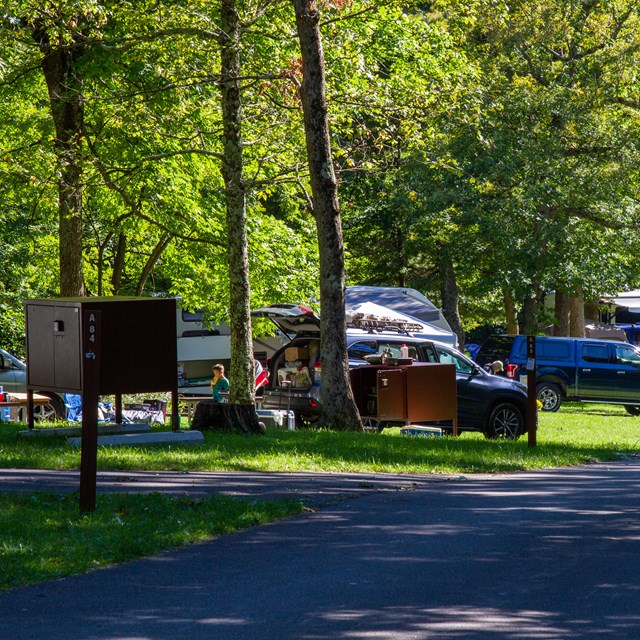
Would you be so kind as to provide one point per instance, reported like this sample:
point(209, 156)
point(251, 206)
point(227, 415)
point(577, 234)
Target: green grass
point(577, 434)
point(45, 537)
point(125, 527)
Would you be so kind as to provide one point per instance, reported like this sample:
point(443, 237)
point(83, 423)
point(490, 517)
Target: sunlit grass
point(576, 434)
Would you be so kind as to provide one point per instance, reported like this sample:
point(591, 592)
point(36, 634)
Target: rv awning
point(629, 299)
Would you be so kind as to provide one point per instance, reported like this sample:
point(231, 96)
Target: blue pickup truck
point(578, 369)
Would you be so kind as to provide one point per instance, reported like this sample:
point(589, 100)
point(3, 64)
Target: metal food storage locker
point(101, 346)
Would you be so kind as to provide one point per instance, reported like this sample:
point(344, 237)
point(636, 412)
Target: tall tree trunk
point(577, 314)
point(65, 85)
point(510, 314)
point(562, 313)
point(241, 376)
point(449, 293)
point(592, 310)
point(339, 407)
point(532, 304)
point(118, 263)
point(530, 310)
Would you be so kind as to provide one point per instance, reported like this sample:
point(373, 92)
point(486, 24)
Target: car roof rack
point(372, 324)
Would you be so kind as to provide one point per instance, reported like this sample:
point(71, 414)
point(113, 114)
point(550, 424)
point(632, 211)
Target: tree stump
point(226, 417)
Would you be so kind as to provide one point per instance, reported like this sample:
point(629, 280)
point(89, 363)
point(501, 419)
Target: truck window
point(595, 352)
point(549, 349)
point(627, 356)
point(496, 348)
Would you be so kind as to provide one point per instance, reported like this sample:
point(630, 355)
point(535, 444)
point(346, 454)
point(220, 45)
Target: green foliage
point(503, 135)
point(524, 170)
point(549, 157)
point(152, 148)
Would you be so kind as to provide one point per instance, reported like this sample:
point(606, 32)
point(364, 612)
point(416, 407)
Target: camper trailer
point(201, 346)
point(622, 312)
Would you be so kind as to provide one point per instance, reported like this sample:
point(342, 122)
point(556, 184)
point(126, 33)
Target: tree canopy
point(480, 147)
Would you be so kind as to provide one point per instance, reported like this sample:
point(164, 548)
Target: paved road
point(314, 489)
point(550, 555)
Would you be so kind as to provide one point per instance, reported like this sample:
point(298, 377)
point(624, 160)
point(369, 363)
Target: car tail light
point(512, 370)
point(312, 403)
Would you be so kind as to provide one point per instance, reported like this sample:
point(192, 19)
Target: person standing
point(219, 384)
point(497, 368)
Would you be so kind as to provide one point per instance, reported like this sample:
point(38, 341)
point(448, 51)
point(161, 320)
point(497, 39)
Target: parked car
point(13, 378)
point(490, 404)
point(580, 369)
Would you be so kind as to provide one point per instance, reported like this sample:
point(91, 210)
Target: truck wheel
point(549, 395)
point(505, 422)
point(632, 409)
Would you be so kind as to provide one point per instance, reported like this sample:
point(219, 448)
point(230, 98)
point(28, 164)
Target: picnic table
point(18, 403)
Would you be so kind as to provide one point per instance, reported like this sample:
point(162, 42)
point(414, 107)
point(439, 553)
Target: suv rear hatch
point(291, 319)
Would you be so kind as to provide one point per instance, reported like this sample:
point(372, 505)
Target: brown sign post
point(91, 344)
point(532, 396)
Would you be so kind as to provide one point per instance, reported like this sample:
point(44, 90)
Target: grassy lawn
point(128, 526)
point(575, 435)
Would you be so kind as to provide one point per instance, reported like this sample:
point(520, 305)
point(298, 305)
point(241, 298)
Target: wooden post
point(532, 396)
point(30, 410)
point(90, 390)
point(118, 408)
point(175, 414)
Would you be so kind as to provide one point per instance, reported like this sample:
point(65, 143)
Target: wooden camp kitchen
point(416, 393)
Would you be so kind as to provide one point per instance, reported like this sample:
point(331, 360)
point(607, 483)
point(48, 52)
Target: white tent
point(629, 299)
point(370, 316)
point(400, 299)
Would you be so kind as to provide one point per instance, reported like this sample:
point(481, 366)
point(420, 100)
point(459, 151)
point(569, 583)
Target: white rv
point(200, 347)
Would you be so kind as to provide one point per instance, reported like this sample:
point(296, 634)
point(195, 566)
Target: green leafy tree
point(339, 407)
point(551, 157)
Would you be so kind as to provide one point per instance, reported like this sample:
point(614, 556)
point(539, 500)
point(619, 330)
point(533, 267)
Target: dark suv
point(581, 369)
point(491, 404)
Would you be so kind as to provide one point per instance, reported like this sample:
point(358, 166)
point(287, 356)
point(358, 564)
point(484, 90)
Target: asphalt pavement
point(546, 555)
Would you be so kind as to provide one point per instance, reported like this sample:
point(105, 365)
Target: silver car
point(13, 378)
